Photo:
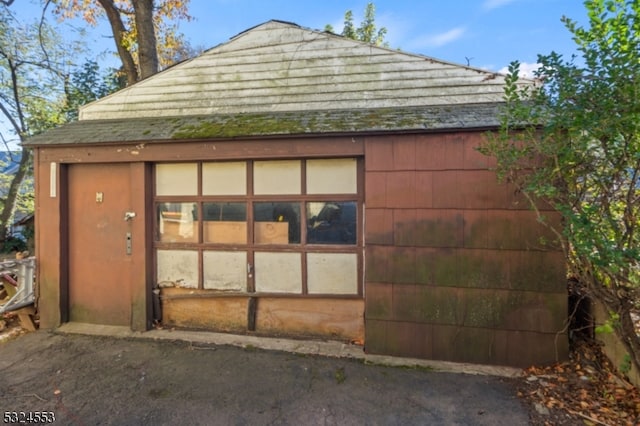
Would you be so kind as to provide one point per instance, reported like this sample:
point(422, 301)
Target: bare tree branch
point(18, 126)
point(5, 142)
point(40, 37)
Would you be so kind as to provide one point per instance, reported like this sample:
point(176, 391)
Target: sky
point(487, 34)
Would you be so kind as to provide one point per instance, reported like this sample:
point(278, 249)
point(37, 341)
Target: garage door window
point(268, 227)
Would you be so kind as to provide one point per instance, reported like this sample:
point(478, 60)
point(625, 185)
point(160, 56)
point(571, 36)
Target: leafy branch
point(573, 141)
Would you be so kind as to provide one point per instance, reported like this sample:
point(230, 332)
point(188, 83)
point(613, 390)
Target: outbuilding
point(292, 182)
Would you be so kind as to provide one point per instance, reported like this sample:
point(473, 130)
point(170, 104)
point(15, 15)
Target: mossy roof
point(256, 125)
point(280, 67)
point(279, 79)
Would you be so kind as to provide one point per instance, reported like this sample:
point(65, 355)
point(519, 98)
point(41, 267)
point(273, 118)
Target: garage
point(292, 182)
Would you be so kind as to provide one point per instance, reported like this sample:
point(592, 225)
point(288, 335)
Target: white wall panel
point(278, 272)
point(225, 270)
point(334, 176)
point(332, 273)
point(224, 178)
point(179, 267)
point(277, 177)
point(177, 179)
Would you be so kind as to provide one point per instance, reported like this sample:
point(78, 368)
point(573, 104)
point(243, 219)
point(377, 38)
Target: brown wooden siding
point(454, 269)
point(454, 265)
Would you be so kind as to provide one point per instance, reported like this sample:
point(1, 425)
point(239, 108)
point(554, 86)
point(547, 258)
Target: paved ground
point(181, 378)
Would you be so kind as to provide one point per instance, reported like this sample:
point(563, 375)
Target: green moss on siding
point(402, 265)
point(376, 265)
point(474, 345)
point(424, 268)
point(434, 306)
point(446, 268)
point(378, 309)
point(441, 232)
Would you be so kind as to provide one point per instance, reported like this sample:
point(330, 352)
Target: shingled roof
point(281, 79)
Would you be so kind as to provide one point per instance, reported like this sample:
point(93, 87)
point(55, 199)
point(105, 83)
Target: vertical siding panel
point(379, 226)
point(472, 158)
point(401, 189)
point(465, 270)
point(52, 295)
point(375, 188)
point(378, 154)
point(447, 190)
point(424, 189)
point(404, 153)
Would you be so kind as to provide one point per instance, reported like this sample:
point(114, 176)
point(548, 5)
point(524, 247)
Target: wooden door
point(99, 267)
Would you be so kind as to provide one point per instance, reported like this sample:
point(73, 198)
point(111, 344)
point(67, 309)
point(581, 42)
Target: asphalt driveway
point(106, 380)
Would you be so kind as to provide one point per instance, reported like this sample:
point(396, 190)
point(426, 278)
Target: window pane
point(177, 179)
point(332, 273)
point(332, 222)
point(335, 176)
point(278, 272)
point(225, 270)
point(276, 223)
point(225, 223)
point(277, 177)
point(177, 222)
point(224, 178)
point(178, 268)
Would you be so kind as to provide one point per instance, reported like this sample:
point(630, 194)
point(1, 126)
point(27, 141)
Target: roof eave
point(270, 125)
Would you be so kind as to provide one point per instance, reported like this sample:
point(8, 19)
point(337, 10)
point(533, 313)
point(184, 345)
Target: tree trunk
point(118, 29)
point(11, 199)
point(147, 50)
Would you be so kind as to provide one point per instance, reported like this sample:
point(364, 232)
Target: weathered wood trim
point(324, 317)
point(212, 150)
point(141, 272)
point(52, 272)
point(62, 220)
point(252, 309)
point(177, 293)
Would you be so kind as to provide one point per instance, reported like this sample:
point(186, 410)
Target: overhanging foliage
point(574, 141)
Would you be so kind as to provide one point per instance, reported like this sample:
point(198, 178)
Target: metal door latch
point(129, 215)
point(128, 242)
